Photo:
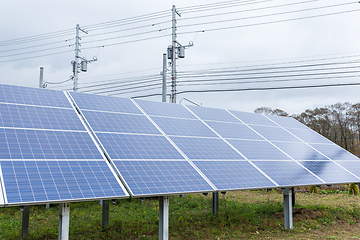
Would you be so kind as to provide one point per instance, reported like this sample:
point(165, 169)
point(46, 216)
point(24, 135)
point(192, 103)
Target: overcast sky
point(246, 43)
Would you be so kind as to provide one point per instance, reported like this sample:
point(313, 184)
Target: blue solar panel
point(253, 118)
point(39, 144)
point(258, 150)
point(103, 103)
point(334, 152)
point(213, 114)
point(183, 127)
point(275, 133)
point(205, 148)
point(233, 130)
point(121, 123)
point(300, 151)
point(33, 96)
point(352, 166)
point(22, 116)
point(329, 171)
point(126, 146)
point(44, 181)
point(165, 109)
point(287, 173)
point(161, 177)
point(287, 122)
point(233, 175)
point(309, 136)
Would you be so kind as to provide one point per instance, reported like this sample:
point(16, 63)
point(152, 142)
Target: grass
point(243, 215)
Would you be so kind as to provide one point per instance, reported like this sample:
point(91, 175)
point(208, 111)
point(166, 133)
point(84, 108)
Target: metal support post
point(288, 220)
point(64, 220)
point(41, 78)
point(164, 77)
point(47, 205)
point(105, 213)
point(215, 203)
point(164, 218)
point(25, 221)
point(293, 196)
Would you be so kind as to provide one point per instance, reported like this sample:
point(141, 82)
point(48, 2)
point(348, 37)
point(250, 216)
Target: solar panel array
point(47, 154)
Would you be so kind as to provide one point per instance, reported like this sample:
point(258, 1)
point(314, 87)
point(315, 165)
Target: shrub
point(313, 189)
point(354, 189)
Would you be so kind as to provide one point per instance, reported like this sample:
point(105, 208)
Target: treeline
point(339, 122)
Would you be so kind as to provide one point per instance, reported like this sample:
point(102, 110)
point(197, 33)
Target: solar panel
point(183, 127)
point(330, 172)
point(233, 175)
point(253, 118)
point(121, 123)
point(275, 133)
point(234, 130)
point(46, 153)
point(104, 103)
point(287, 122)
point(165, 109)
point(334, 152)
point(309, 136)
point(300, 151)
point(258, 150)
point(205, 148)
point(288, 173)
point(161, 177)
point(213, 114)
point(351, 166)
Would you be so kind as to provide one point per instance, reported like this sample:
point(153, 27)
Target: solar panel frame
point(2, 190)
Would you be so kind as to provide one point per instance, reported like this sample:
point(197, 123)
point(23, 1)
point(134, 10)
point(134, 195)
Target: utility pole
point(41, 78)
point(173, 57)
point(164, 77)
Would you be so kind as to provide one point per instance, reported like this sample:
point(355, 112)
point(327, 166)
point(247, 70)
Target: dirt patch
point(300, 214)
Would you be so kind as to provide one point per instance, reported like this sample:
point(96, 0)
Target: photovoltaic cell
point(213, 114)
point(161, 177)
point(253, 118)
point(334, 152)
point(287, 122)
point(33, 96)
point(300, 151)
point(233, 175)
point(205, 148)
point(44, 181)
point(126, 146)
point(329, 171)
point(234, 130)
point(39, 144)
point(183, 127)
point(165, 109)
point(352, 166)
point(104, 103)
point(258, 150)
point(121, 123)
point(275, 133)
point(309, 136)
point(23, 116)
point(287, 173)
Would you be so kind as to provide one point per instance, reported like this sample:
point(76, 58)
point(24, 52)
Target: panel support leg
point(105, 213)
point(164, 218)
point(64, 220)
point(288, 220)
point(25, 221)
point(215, 203)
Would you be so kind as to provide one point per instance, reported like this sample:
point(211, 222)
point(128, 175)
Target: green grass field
point(243, 215)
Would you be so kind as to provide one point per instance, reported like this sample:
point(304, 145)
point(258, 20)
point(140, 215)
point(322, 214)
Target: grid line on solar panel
point(33, 96)
point(286, 122)
point(275, 133)
point(234, 175)
point(233, 130)
point(334, 152)
point(59, 181)
point(326, 169)
point(120, 123)
point(22, 116)
point(352, 166)
point(183, 127)
point(161, 177)
point(300, 151)
point(252, 118)
point(164, 109)
point(309, 136)
point(104, 103)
